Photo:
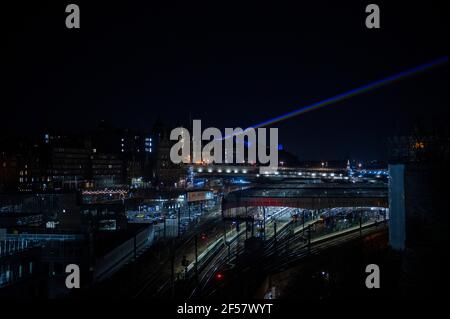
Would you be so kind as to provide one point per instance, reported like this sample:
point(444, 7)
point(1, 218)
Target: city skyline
point(231, 78)
point(225, 159)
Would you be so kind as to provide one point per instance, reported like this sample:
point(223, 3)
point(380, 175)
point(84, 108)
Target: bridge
point(252, 172)
point(236, 205)
point(335, 173)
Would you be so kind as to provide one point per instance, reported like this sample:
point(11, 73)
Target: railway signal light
point(219, 276)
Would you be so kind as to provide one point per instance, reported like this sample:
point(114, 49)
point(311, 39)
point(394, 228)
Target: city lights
point(162, 152)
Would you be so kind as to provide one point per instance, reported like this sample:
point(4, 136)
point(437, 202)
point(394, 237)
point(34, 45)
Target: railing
point(13, 246)
point(45, 237)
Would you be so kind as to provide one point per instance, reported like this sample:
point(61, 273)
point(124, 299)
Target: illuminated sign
point(199, 196)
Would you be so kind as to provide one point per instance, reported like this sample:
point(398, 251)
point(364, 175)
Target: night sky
point(132, 63)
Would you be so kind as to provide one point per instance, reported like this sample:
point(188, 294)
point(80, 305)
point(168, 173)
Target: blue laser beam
point(357, 91)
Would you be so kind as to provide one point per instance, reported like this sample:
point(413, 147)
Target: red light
point(219, 276)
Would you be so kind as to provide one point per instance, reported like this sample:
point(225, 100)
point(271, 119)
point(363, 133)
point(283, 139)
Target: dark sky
point(228, 65)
